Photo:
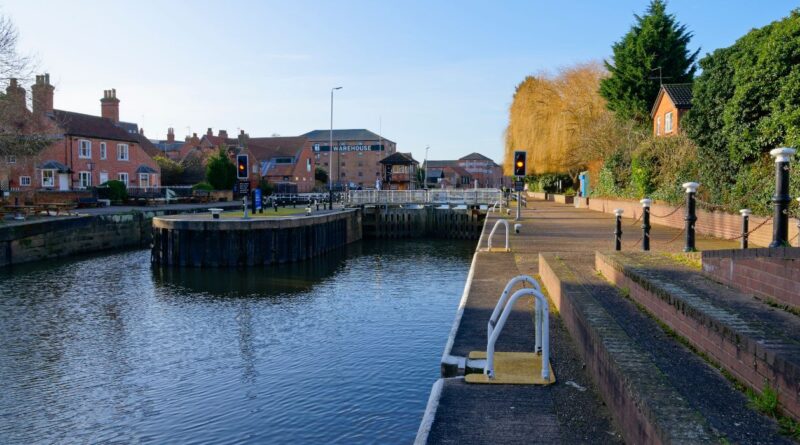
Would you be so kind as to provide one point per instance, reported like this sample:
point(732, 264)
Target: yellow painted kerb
point(512, 368)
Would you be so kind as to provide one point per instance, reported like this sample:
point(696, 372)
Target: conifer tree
point(656, 47)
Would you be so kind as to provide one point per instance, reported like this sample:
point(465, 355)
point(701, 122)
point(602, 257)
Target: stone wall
point(772, 274)
point(65, 236)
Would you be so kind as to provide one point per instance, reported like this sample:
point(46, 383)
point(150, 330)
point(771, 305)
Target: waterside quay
point(637, 340)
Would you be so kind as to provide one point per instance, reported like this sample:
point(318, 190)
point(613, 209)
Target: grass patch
point(690, 261)
point(771, 302)
point(268, 213)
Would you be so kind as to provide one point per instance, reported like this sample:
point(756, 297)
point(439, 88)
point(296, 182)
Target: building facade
point(84, 150)
point(464, 172)
point(399, 172)
point(355, 158)
point(672, 103)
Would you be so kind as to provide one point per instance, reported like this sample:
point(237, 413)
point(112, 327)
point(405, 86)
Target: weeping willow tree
point(552, 118)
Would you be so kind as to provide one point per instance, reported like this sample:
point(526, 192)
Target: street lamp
point(425, 170)
point(330, 156)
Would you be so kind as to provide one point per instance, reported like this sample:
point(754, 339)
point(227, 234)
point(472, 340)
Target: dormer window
point(85, 149)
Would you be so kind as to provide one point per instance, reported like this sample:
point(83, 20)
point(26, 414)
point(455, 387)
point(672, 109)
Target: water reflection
point(106, 349)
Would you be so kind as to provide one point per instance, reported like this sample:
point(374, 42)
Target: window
point(103, 150)
point(668, 122)
point(85, 179)
point(360, 174)
point(308, 165)
point(658, 125)
point(123, 177)
point(122, 152)
point(85, 149)
point(12, 159)
point(144, 180)
point(25, 181)
point(48, 178)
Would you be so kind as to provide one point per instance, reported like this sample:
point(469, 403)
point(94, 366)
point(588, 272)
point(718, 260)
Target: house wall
point(666, 106)
point(66, 151)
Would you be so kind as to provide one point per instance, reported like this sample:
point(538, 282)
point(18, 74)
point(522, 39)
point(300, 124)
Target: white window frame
point(24, 181)
point(123, 148)
point(144, 177)
point(121, 175)
point(658, 125)
point(52, 177)
point(103, 150)
point(84, 149)
point(12, 159)
point(668, 122)
point(85, 179)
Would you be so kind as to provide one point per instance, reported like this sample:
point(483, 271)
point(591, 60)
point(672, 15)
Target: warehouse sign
point(360, 147)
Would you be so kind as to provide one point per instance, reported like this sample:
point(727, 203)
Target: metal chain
point(750, 231)
point(668, 214)
point(673, 238)
point(637, 219)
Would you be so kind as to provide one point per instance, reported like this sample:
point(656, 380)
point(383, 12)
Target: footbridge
point(470, 197)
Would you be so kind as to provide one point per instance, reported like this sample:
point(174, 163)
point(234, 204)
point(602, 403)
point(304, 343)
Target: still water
point(340, 349)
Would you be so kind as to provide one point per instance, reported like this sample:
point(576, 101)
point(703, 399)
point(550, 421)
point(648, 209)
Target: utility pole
point(330, 156)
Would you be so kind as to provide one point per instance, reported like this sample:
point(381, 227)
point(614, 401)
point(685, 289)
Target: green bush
point(171, 171)
point(266, 187)
point(114, 190)
point(203, 186)
point(220, 171)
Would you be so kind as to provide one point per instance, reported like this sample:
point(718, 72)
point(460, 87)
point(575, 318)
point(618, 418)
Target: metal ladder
point(541, 322)
point(494, 229)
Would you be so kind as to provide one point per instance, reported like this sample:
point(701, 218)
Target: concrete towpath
point(570, 411)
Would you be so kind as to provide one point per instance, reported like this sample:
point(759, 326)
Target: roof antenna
point(660, 77)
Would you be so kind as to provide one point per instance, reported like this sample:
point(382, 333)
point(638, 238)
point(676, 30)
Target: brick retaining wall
point(716, 224)
point(765, 273)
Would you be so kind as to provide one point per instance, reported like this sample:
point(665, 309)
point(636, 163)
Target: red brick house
point(85, 151)
point(672, 103)
point(281, 160)
point(463, 172)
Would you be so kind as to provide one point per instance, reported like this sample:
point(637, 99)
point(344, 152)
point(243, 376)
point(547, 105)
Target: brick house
point(672, 103)
point(85, 150)
point(463, 172)
point(281, 160)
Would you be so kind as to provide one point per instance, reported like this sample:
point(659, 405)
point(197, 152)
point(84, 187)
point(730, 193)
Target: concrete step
point(658, 390)
point(757, 344)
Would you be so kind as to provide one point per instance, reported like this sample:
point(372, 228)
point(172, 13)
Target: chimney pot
point(109, 105)
point(170, 135)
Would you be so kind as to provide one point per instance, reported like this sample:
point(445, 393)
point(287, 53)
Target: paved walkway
point(563, 412)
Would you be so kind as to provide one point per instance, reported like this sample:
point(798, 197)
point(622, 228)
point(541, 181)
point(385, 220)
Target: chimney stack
point(42, 95)
point(170, 135)
point(109, 105)
point(223, 134)
point(16, 95)
point(209, 132)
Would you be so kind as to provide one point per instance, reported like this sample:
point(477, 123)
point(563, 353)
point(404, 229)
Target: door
point(63, 181)
point(103, 177)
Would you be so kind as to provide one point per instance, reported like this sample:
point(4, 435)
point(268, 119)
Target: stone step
point(757, 344)
point(658, 390)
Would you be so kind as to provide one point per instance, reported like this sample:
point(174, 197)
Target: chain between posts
point(749, 232)
point(674, 238)
point(668, 214)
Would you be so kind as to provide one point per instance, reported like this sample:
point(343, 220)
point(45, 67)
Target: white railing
point(541, 328)
point(494, 229)
point(466, 196)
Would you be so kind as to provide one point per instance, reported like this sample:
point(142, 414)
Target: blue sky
point(437, 73)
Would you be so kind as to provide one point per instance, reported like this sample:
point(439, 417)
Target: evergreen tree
point(220, 171)
point(656, 46)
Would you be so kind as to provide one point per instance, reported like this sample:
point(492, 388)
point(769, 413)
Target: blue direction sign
point(258, 199)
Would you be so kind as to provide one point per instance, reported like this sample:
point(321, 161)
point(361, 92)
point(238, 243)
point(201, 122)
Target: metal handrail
point(494, 229)
point(543, 329)
point(471, 196)
point(502, 301)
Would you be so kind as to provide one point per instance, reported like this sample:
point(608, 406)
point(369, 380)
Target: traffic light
point(241, 167)
point(519, 163)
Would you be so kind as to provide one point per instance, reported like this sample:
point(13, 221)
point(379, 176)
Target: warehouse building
point(355, 158)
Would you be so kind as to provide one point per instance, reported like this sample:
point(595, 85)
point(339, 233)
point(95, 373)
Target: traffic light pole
point(519, 201)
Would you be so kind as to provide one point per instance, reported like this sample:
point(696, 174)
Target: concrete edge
point(430, 412)
point(449, 361)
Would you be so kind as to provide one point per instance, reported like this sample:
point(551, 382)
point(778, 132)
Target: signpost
point(258, 205)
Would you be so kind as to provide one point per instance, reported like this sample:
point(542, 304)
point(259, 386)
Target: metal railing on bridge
point(438, 196)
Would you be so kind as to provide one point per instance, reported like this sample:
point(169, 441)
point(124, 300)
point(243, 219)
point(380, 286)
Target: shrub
point(171, 171)
point(203, 186)
point(114, 190)
point(220, 171)
point(266, 187)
